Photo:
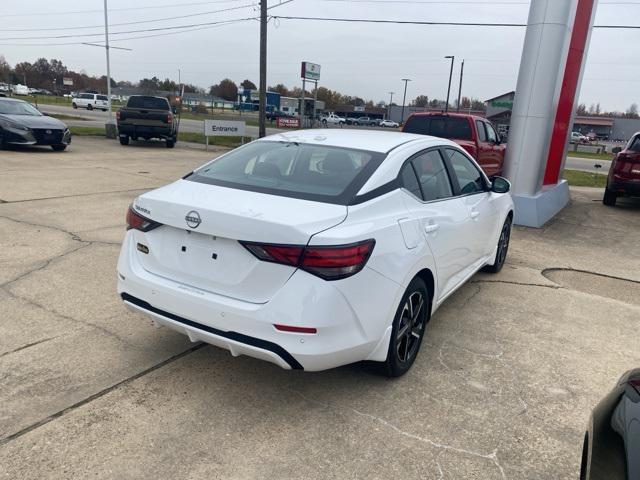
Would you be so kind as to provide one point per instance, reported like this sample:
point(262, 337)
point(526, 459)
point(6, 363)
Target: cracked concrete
point(509, 370)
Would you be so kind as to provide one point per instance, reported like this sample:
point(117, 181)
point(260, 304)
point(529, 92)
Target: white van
point(20, 89)
point(91, 101)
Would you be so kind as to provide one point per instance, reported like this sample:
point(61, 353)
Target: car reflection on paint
point(611, 447)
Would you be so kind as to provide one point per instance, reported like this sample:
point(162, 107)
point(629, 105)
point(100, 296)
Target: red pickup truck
point(475, 134)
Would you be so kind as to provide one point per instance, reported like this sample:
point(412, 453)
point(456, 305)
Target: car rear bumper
point(347, 330)
point(149, 131)
point(625, 187)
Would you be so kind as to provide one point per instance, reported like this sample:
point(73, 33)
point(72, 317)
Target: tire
point(104, 109)
point(124, 140)
point(75, 107)
point(609, 198)
point(89, 107)
point(170, 143)
point(502, 249)
point(58, 148)
point(408, 329)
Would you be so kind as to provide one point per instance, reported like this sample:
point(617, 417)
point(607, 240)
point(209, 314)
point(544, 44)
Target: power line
point(417, 22)
point(131, 23)
point(58, 12)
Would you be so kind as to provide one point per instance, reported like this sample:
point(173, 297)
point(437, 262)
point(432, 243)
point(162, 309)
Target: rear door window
point(102, 97)
point(409, 181)
point(312, 172)
point(482, 134)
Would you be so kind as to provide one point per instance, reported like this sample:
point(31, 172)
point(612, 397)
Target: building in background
point(352, 111)
point(603, 127)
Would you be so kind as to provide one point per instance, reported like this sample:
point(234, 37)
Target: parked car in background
point(91, 101)
point(333, 119)
point(316, 248)
point(389, 124)
point(275, 114)
point(23, 124)
point(577, 137)
point(611, 449)
point(20, 89)
point(475, 134)
point(147, 117)
point(624, 173)
point(366, 121)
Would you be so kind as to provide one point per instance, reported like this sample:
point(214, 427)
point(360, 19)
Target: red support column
point(575, 57)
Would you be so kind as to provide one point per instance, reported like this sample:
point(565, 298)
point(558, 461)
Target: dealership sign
point(288, 122)
point(67, 81)
point(224, 128)
point(310, 71)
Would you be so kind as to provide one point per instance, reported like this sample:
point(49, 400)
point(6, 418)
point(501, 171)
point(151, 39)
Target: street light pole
point(452, 57)
point(460, 87)
point(110, 128)
point(263, 69)
point(390, 102)
point(404, 98)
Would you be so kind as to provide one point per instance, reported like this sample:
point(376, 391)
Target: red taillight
point(328, 262)
point(169, 118)
point(118, 115)
point(291, 328)
point(138, 222)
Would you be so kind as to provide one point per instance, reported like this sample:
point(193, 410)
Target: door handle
point(432, 227)
point(474, 213)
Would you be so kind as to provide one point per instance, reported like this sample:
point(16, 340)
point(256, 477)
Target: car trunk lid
point(198, 242)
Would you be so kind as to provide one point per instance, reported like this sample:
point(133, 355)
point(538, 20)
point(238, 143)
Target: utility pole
point(452, 57)
point(263, 69)
point(460, 87)
point(110, 127)
point(404, 98)
point(390, 102)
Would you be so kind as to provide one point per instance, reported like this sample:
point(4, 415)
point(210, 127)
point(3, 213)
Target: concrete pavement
point(502, 388)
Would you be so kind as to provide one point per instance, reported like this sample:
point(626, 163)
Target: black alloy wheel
point(503, 248)
point(408, 328)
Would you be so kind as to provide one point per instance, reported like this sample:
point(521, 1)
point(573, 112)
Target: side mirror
point(500, 185)
point(615, 150)
point(174, 109)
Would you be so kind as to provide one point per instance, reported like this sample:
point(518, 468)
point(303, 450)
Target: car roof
point(371, 140)
point(446, 114)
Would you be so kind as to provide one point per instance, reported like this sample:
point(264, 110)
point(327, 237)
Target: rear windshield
point(439, 126)
point(311, 172)
point(155, 103)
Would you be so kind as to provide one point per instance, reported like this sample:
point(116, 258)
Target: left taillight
point(332, 262)
point(138, 222)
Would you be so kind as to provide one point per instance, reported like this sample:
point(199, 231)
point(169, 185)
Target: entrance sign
point(223, 128)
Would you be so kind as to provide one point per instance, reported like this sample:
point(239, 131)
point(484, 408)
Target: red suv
point(624, 174)
point(475, 134)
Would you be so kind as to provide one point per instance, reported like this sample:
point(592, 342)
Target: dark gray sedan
point(23, 124)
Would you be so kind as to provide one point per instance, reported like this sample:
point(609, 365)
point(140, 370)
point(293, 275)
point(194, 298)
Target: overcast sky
point(367, 60)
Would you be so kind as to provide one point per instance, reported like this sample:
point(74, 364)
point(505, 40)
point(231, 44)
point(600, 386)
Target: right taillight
point(331, 262)
point(138, 222)
point(118, 115)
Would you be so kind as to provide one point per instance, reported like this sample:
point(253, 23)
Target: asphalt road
point(509, 370)
point(96, 118)
point(587, 165)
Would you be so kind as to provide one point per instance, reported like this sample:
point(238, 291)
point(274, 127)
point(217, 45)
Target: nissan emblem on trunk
point(193, 219)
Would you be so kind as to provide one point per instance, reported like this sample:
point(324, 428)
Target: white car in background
point(333, 119)
point(91, 101)
point(389, 123)
point(315, 248)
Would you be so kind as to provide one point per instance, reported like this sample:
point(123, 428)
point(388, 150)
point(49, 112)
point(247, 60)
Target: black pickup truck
point(147, 117)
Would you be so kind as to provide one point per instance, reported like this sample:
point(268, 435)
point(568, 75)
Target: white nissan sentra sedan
point(315, 248)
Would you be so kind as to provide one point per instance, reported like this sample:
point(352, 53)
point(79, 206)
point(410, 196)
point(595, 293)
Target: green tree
point(421, 101)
